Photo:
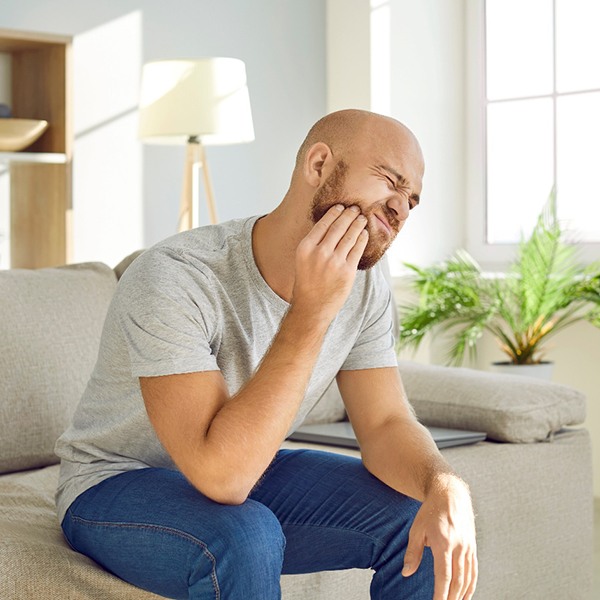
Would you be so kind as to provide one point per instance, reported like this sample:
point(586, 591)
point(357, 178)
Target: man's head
point(357, 157)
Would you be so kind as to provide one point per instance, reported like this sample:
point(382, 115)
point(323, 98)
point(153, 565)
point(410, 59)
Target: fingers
point(358, 249)
point(339, 233)
point(464, 575)
point(461, 571)
point(319, 231)
point(474, 574)
point(455, 575)
point(442, 572)
point(335, 224)
point(343, 232)
point(455, 566)
point(413, 554)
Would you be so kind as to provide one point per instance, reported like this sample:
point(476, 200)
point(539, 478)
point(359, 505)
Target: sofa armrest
point(509, 408)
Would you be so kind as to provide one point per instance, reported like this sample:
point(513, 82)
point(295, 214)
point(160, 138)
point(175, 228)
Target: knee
point(254, 535)
point(249, 557)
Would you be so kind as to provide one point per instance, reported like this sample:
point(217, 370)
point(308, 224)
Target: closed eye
point(401, 184)
point(391, 182)
point(413, 201)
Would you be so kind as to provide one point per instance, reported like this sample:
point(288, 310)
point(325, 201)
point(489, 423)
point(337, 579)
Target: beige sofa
point(531, 481)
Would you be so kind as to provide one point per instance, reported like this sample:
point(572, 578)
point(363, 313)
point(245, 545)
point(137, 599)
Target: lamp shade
point(207, 98)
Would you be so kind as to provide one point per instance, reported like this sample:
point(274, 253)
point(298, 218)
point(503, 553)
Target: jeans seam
point(167, 530)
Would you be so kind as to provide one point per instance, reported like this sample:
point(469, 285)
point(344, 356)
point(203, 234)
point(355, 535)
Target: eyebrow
point(401, 180)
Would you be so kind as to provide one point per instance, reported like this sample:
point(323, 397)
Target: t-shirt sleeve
point(165, 316)
point(375, 345)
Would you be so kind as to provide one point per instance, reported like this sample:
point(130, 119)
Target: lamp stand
point(195, 157)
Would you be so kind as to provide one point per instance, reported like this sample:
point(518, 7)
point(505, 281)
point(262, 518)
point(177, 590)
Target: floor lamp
point(199, 102)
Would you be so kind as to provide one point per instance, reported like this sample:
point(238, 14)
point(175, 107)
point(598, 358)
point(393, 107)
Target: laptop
point(342, 434)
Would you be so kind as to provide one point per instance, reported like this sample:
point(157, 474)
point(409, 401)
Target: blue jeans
point(311, 511)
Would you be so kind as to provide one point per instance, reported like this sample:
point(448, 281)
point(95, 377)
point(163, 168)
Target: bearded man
point(217, 344)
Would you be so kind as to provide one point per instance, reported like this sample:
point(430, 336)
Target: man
point(216, 345)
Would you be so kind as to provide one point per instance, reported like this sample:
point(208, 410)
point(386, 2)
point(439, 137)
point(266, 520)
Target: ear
point(316, 163)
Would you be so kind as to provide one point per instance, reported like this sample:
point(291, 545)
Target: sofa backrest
point(50, 326)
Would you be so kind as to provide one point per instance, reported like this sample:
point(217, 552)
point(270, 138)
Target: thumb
point(413, 555)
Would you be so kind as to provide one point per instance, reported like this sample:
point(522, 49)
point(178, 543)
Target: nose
point(399, 205)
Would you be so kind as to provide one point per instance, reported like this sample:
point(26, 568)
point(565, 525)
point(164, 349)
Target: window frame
point(491, 256)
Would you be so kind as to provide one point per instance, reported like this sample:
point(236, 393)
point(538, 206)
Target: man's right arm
point(224, 444)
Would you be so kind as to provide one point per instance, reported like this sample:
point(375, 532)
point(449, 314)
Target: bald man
point(217, 344)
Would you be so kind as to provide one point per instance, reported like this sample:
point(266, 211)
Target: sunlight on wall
point(381, 68)
point(107, 166)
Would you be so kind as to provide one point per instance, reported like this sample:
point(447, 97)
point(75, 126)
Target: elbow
point(231, 498)
point(222, 490)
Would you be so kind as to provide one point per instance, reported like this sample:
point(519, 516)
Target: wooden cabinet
point(40, 176)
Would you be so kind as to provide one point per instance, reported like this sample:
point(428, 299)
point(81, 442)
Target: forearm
point(402, 454)
point(247, 431)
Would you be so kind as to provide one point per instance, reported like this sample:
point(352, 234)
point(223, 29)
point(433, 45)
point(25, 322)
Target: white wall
point(127, 195)
point(427, 93)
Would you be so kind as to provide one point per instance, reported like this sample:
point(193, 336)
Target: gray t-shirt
point(197, 302)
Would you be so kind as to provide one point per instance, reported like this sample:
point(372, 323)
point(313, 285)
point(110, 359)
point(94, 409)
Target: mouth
point(384, 224)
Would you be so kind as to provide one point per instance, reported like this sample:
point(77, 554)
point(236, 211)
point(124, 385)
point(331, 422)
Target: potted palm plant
point(544, 291)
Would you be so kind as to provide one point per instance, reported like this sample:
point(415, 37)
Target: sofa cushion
point(124, 264)
point(509, 408)
point(328, 409)
point(50, 331)
point(36, 560)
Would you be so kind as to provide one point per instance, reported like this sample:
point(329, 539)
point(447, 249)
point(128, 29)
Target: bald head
point(345, 129)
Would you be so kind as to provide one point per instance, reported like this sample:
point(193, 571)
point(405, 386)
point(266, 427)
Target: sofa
point(531, 479)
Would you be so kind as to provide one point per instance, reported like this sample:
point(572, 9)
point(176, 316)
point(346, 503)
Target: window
point(539, 124)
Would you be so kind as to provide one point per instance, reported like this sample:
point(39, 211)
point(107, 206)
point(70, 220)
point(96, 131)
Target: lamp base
point(195, 157)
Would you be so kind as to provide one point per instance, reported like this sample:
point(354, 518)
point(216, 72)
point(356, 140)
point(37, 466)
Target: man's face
point(383, 223)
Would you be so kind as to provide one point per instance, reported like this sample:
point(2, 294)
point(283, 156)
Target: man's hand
point(327, 259)
point(445, 523)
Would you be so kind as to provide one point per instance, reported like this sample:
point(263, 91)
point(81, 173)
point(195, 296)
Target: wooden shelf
point(55, 158)
point(40, 178)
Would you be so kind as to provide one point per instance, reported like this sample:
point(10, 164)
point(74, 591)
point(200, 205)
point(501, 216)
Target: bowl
point(17, 134)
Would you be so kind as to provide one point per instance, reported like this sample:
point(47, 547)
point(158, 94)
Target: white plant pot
point(541, 370)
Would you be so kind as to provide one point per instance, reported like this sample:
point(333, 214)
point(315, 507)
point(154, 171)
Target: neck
point(274, 242)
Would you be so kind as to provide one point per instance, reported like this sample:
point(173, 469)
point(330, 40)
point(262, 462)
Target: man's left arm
point(399, 451)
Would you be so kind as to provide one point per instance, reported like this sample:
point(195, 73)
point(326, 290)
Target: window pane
point(577, 45)
point(578, 140)
point(520, 161)
point(519, 48)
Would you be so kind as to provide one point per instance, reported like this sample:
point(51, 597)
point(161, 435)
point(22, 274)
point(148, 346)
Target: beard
point(332, 192)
